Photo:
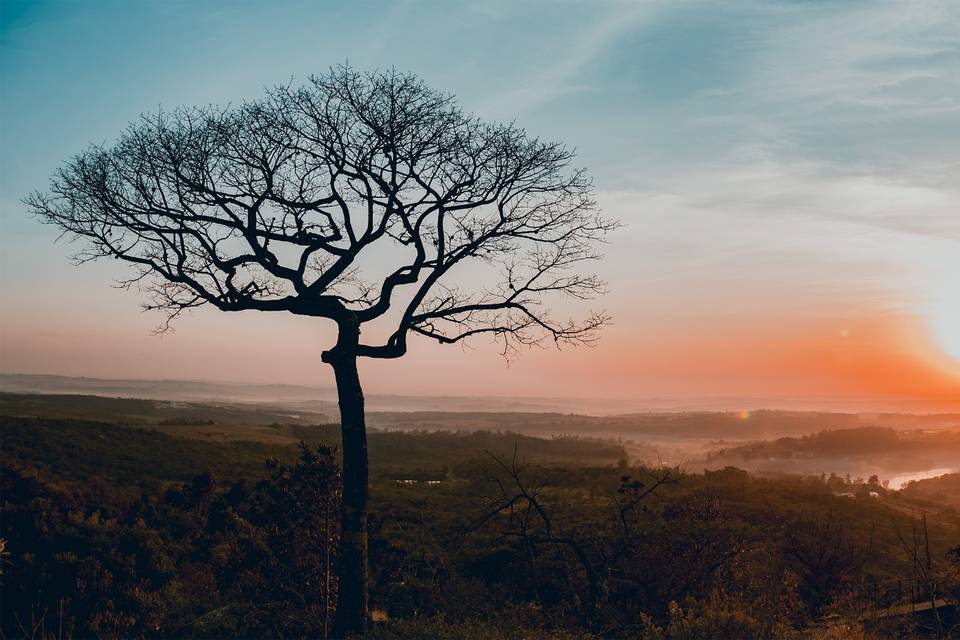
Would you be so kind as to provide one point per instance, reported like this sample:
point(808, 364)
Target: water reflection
point(900, 480)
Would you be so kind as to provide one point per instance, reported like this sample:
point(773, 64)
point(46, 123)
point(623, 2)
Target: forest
point(117, 531)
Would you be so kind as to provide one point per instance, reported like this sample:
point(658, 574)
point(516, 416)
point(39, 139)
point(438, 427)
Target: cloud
point(867, 86)
point(549, 79)
point(765, 236)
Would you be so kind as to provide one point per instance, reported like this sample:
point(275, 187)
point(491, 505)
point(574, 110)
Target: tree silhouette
point(355, 198)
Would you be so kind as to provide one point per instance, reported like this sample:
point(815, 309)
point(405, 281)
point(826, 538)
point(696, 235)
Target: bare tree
point(926, 582)
point(597, 552)
point(824, 555)
point(355, 198)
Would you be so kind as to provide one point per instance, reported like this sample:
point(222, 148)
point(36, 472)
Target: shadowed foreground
point(110, 532)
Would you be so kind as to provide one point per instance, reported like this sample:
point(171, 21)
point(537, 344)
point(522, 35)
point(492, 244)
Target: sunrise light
point(546, 319)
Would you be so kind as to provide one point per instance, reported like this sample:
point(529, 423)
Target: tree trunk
point(351, 613)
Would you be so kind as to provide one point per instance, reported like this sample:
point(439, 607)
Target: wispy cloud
point(547, 80)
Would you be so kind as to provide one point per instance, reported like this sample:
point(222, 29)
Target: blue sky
point(771, 160)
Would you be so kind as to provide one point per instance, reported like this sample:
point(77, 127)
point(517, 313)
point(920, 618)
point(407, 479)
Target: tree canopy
point(345, 198)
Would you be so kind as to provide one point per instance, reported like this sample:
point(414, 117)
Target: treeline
point(80, 449)
point(680, 424)
point(394, 450)
point(146, 412)
point(849, 442)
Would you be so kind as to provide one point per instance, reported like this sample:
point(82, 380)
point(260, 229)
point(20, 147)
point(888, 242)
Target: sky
point(786, 172)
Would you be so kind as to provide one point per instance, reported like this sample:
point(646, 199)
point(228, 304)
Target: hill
point(943, 489)
point(863, 451)
point(82, 449)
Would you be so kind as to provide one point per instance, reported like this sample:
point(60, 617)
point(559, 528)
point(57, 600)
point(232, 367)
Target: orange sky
point(877, 358)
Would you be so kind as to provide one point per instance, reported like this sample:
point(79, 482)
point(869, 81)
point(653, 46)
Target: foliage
point(193, 560)
point(111, 531)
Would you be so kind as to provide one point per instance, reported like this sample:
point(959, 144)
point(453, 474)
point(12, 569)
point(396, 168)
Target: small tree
point(824, 555)
point(356, 198)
